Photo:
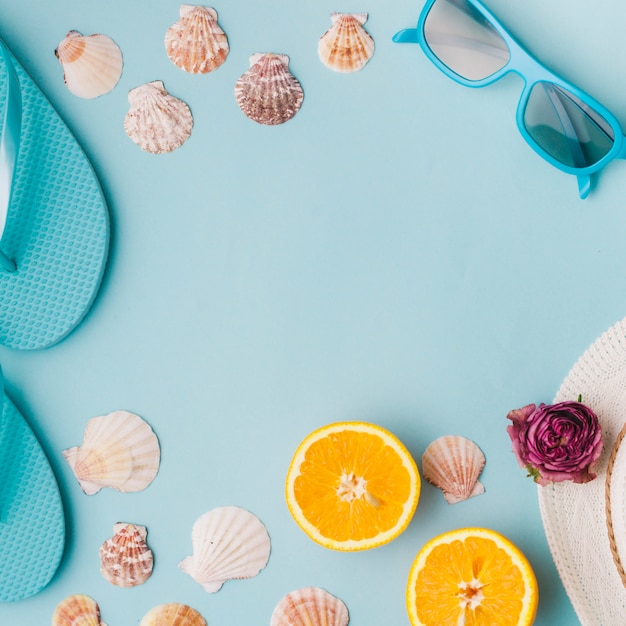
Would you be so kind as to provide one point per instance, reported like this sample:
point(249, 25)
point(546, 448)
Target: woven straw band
point(609, 514)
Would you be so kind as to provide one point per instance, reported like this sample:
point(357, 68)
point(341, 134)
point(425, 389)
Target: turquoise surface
point(395, 253)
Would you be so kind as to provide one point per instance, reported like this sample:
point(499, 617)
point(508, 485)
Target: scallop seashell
point(454, 463)
point(346, 46)
point(125, 558)
point(92, 64)
point(77, 610)
point(172, 614)
point(312, 606)
point(196, 43)
point(268, 92)
point(157, 122)
point(228, 543)
point(119, 450)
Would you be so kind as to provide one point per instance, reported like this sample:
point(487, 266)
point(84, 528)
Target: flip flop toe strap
point(9, 146)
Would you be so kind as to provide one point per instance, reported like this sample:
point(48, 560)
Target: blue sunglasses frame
point(522, 63)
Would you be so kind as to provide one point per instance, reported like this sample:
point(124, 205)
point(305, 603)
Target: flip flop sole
point(57, 229)
point(32, 524)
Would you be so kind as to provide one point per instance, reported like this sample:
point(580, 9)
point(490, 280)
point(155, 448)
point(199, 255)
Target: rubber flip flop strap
point(9, 147)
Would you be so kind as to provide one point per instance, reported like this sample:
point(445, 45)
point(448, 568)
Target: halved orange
point(352, 486)
point(471, 576)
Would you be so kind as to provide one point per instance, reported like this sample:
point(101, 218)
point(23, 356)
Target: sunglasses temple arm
point(573, 143)
point(584, 185)
point(408, 35)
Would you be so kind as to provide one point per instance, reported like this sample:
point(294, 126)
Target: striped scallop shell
point(125, 558)
point(196, 43)
point(92, 64)
point(228, 543)
point(119, 450)
point(77, 610)
point(454, 463)
point(172, 614)
point(312, 606)
point(156, 121)
point(268, 93)
point(346, 46)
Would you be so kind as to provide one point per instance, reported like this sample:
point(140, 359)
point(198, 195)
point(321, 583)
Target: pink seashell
point(196, 43)
point(173, 614)
point(346, 46)
point(454, 463)
point(125, 558)
point(119, 450)
point(268, 93)
point(92, 64)
point(157, 121)
point(77, 610)
point(311, 606)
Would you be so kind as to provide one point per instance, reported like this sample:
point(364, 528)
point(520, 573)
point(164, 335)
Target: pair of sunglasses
point(564, 125)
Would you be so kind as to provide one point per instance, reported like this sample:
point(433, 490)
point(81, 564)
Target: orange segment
point(472, 577)
point(352, 486)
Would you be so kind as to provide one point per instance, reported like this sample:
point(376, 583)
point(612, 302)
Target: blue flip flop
point(32, 524)
point(54, 223)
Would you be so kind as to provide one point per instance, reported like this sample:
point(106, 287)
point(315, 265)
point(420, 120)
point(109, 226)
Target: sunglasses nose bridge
point(527, 66)
point(531, 71)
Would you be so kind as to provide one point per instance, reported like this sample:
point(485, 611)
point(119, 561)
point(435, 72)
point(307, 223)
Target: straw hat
point(585, 524)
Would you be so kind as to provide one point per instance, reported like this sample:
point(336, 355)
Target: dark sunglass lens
point(565, 127)
point(463, 40)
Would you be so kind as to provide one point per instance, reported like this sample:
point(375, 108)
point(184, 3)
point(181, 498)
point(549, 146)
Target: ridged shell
point(346, 46)
point(173, 614)
point(77, 610)
point(119, 450)
point(157, 122)
point(228, 543)
point(268, 92)
point(125, 558)
point(311, 606)
point(92, 64)
point(454, 463)
point(196, 43)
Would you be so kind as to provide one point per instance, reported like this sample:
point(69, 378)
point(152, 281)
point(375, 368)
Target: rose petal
point(558, 442)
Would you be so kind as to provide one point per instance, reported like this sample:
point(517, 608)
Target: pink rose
point(556, 442)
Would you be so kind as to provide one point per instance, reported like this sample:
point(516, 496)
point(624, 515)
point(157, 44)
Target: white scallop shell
point(173, 614)
point(125, 558)
point(311, 606)
point(268, 93)
point(92, 64)
point(196, 43)
point(157, 121)
point(346, 46)
point(77, 610)
point(454, 463)
point(119, 450)
point(228, 543)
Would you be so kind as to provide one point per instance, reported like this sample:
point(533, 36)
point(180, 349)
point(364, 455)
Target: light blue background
point(395, 253)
